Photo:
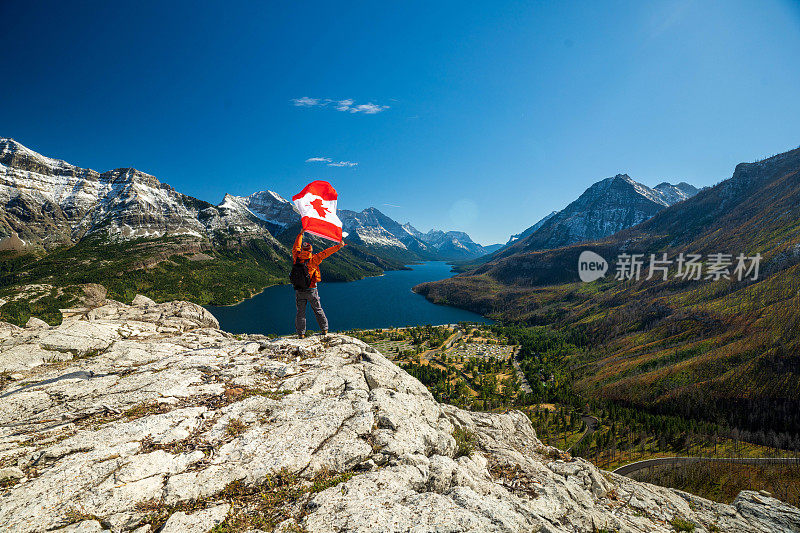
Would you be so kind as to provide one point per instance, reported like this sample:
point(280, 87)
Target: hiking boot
point(301, 336)
point(324, 332)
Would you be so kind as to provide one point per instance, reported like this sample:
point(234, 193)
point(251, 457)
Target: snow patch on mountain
point(673, 194)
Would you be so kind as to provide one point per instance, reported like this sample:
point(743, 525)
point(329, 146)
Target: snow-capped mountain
point(47, 202)
point(605, 208)
point(453, 244)
point(372, 228)
point(663, 193)
point(672, 194)
point(449, 244)
point(268, 206)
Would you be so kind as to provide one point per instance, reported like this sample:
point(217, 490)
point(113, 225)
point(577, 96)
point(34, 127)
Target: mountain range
point(370, 228)
point(49, 202)
point(62, 225)
point(716, 349)
point(608, 206)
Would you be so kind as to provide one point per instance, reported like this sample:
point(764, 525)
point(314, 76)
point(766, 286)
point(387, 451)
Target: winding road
point(672, 461)
point(591, 425)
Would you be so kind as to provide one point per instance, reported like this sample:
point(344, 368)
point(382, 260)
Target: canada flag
point(316, 204)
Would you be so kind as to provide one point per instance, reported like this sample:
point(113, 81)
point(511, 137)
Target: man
point(303, 253)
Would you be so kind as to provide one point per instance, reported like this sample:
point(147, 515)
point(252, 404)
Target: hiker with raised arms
point(316, 204)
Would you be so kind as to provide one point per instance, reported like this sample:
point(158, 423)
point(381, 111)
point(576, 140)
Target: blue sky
point(476, 116)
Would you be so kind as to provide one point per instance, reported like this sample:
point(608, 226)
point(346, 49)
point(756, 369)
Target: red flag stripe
point(321, 228)
point(320, 188)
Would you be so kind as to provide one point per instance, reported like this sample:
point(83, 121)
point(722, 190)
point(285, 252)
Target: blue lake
point(378, 302)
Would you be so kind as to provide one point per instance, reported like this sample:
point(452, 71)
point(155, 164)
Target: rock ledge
point(129, 418)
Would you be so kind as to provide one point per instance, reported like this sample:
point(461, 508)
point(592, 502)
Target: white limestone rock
point(36, 323)
point(142, 301)
point(85, 526)
point(11, 472)
point(150, 403)
point(198, 522)
point(8, 330)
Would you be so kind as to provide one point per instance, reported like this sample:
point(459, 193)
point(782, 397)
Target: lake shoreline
point(405, 267)
point(382, 301)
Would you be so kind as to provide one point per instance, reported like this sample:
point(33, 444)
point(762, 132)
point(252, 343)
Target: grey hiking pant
point(310, 296)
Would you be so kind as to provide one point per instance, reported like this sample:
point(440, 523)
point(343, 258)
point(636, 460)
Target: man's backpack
point(300, 277)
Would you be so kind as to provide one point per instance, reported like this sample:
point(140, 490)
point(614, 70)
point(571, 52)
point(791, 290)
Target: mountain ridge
point(604, 208)
point(374, 228)
point(50, 202)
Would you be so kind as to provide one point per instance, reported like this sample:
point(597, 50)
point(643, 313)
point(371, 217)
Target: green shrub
point(465, 442)
point(681, 524)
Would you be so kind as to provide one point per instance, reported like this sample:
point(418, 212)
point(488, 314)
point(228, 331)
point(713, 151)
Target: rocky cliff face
point(135, 418)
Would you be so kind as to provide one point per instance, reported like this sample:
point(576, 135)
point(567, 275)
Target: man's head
point(306, 246)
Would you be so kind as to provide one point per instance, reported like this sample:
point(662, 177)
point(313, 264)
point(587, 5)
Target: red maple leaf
point(319, 208)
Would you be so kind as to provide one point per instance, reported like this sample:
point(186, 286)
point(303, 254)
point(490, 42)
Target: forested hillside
point(716, 350)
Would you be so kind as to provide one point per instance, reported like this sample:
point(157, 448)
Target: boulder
point(142, 301)
point(36, 323)
point(10, 473)
point(8, 330)
point(94, 295)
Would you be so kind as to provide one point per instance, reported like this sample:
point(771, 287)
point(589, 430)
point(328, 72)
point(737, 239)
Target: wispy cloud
point(347, 105)
point(344, 105)
point(392, 205)
point(306, 102)
point(368, 109)
point(330, 162)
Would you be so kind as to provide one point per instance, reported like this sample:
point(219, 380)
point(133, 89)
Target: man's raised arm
point(327, 252)
point(298, 243)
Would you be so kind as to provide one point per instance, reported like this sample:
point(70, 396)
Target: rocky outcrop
point(134, 418)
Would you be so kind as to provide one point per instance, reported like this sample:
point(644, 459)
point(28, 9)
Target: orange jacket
point(298, 254)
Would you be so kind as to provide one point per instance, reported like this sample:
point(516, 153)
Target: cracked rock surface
point(125, 412)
